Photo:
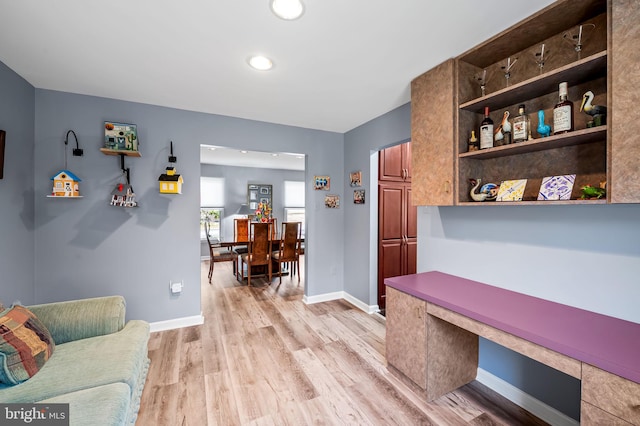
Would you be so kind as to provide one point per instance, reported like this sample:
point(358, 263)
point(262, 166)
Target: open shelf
point(577, 137)
point(128, 153)
point(60, 196)
point(575, 73)
point(532, 203)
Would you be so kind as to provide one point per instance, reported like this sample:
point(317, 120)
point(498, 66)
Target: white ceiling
point(342, 64)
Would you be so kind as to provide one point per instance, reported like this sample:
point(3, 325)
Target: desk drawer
point(611, 393)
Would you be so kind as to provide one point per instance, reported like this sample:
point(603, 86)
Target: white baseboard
point(524, 400)
point(177, 323)
point(370, 309)
point(322, 297)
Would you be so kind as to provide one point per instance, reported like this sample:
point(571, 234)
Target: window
point(211, 215)
point(294, 202)
point(211, 206)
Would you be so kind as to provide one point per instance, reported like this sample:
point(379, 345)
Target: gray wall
point(236, 180)
point(361, 146)
point(17, 109)
point(87, 248)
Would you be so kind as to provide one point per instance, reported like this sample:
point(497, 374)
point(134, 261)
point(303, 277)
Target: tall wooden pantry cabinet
point(397, 219)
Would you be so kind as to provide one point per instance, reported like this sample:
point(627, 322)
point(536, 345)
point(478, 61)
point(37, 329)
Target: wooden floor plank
point(264, 357)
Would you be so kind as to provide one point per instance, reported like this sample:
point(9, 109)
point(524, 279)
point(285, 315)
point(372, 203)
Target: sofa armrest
point(80, 319)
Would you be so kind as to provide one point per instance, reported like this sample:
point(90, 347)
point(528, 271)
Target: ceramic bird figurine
point(488, 192)
point(586, 106)
point(543, 129)
point(598, 112)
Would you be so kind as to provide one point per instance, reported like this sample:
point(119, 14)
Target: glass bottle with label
point(473, 142)
point(486, 131)
point(521, 125)
point(563, 112)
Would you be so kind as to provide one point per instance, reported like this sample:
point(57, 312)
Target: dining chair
point(274, 228)
point(240, 234)
point(289, 248)
point(259, 251)
point(207, 227)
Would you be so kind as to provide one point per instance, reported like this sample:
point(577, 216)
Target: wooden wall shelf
point(577, 137)
point(576, 73)
point(532, 203)
point(108, 151)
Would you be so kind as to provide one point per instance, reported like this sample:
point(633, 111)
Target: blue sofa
point(99, 365)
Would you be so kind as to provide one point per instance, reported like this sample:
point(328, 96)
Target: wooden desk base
point(435, 351)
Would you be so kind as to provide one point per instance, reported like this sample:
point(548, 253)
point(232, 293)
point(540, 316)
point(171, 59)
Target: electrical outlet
point(176, 287)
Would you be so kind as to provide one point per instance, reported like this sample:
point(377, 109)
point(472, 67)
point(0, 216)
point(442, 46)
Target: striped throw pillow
point(25, 345)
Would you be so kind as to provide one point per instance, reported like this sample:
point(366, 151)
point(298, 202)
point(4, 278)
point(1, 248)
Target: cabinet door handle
point(447, 186)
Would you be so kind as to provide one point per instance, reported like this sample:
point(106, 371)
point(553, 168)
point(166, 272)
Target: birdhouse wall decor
point(120, 137)
point(170, 182)
point(65, 183)
point(123, 196)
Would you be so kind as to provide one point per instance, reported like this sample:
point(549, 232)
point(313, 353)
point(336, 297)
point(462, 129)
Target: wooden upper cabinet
point(432, 136)
point(395, 163)
point(624, 102)
point(447, 105)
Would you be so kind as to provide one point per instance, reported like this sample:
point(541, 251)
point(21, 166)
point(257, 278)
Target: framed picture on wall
point(259, 193)
point(120, 136)
point(356, 178)
point(332, 201)
point(321, 183)
point(358, 196)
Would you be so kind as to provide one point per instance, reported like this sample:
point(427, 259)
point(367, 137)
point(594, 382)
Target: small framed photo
point(332, 201)
point(321, 183)
point(358, 196)
point(356, 178)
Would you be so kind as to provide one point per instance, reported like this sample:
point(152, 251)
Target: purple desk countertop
point(608, 343)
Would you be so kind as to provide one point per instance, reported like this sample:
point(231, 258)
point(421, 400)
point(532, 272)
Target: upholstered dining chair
point(259, 251)
point(289, 249)
point(240, 234)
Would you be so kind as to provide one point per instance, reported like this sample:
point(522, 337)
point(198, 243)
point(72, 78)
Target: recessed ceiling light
point(244, 152)
point(212, 148)
point(261, 63)
point(287, 9)
point(274, 155)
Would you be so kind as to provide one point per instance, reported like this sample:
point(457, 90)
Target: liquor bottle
point(521, 126)
point(486, 131)
point(473, 142)
point(563, 112)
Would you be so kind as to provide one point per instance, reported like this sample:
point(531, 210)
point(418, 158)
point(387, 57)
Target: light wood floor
point(263, 357)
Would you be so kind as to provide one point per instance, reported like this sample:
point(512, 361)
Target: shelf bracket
point(124, 170)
